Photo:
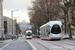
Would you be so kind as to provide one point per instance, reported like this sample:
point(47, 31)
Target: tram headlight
point(26, 36)
point(30, 36)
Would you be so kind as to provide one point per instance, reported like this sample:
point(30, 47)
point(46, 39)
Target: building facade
point(1, 20)
point(8, 27)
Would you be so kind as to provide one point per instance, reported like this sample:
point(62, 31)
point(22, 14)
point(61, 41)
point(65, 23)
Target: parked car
point(15, 36)
point(33, 36)
point(21, 34)
point(37, 36)
point(65, 36)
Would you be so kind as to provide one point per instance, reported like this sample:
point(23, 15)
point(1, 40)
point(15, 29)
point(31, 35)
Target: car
point(33, 36)
point(65, 36)
point(21, 34)
point(37, 36)
point(15, 36)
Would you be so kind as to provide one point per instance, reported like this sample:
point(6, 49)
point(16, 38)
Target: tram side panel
point(51, 32)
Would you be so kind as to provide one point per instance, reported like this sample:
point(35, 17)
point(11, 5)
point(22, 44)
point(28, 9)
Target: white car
point(65, 36)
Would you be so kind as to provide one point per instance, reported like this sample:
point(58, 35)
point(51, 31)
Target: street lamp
point(12, 20)
point(15, 18)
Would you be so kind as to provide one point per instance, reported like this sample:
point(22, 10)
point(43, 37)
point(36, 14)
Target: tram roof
point(28, 31)
point(51, 23)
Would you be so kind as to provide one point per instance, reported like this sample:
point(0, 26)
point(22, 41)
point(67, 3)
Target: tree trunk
point(69, 25)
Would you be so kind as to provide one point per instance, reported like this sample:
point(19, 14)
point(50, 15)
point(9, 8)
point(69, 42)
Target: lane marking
point(41, 45)
point(34, 48)
point(5, 46)
point(0, 49)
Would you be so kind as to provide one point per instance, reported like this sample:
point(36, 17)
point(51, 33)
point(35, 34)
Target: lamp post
point(12, 20)
point(16, 25)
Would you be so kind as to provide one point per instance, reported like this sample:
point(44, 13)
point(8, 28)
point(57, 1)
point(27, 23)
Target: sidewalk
point(1, 41)
point(73, 37)
point(6, 41)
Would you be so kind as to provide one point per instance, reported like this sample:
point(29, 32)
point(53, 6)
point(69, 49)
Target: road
point(54, 44)
point(19, 44)
point(37, 44)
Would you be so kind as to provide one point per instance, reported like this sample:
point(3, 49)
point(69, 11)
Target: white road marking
point(5, 46)
point(34, 48)
point(0, 49)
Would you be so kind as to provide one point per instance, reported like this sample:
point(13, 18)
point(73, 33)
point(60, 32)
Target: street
point(36, 44)
point(19, 44)
point(54, 44)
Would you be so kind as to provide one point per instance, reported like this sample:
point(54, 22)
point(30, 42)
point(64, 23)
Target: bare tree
point(44, 11)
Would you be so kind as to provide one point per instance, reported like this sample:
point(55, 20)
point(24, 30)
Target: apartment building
point(1, 20)
point(8, 27)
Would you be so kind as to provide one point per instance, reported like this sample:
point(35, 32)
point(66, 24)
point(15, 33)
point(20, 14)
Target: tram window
point(48, 30)
point(29, 34)
point(56, 29)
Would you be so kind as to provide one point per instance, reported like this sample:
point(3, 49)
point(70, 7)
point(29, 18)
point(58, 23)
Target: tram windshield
point(56, 29)
point(29, 34)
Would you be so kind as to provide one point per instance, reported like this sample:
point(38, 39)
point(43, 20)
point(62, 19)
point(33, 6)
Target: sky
point(21, 5)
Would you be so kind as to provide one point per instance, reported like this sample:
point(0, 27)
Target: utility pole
point(12, 21)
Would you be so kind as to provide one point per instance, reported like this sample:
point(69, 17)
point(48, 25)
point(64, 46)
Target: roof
point(28, 31)
point(51, 23)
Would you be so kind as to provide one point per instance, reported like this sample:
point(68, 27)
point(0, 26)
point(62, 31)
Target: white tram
point(51, 30)
point(28, 34)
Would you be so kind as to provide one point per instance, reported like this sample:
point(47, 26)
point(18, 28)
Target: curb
point(1, 41)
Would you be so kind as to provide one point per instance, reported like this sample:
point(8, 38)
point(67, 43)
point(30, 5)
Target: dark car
point(37, 36)
point(33, 36)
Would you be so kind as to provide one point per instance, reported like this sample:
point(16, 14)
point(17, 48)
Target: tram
point(51, 30)
point(28, 34)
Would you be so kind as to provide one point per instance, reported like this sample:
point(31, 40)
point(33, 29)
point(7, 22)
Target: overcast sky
point(21, 5)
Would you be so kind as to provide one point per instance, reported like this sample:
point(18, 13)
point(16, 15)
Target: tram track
point(68, 43)
point(42, 45)
point(60, 45)
point(52, 44)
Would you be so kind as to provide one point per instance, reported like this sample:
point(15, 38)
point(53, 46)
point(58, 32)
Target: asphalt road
point(38, 44)
point(2, 44)
point(19, 44)
point(53, 44)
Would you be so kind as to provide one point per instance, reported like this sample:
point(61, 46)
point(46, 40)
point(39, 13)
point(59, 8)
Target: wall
point(1, 20)
point(9, 26)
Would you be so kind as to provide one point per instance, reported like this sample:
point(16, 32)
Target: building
point(8, 27)
point(1, 20)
